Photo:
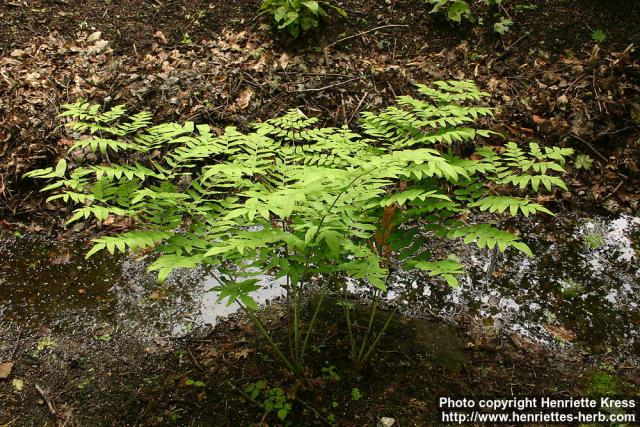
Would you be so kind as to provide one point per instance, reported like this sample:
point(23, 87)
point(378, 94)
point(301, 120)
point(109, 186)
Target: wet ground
point(582, 287)
point(100, 333)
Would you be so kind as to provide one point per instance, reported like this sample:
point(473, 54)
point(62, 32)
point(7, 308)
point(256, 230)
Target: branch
point(363, 33)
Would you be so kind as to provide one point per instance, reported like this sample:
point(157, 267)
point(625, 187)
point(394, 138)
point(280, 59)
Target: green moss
point(602, 383)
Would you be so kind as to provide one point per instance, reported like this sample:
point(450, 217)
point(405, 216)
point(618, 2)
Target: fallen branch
point(588, 144)
point(363, 33)
point(315, 411)
point(326, 87)
point(52, 408)
point(615, 190)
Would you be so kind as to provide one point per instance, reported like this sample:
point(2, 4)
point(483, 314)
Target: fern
point(133, 241)
point(293, 198)
point(448, 269)
point(512, 204)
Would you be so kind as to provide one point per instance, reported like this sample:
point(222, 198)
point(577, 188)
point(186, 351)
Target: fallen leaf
point(160, 36)
point(243, 100)
point(560, 332)
point(242, 354)
point(5, 369)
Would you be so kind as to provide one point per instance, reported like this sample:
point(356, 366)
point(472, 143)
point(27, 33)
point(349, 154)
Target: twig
point(52, 408)
point(314, 410)
point(15, 348)
point(366, 94)
point(326, 87)
point(574, 82)
point(615, 190)
point(507, 50)
point(195, 361)
point(245, 395)
point(588, 144)
point(619, 130)
point(10, 422)
point(363, 33)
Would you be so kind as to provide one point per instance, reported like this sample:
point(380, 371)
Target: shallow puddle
point(50, 284)
point(582, 286)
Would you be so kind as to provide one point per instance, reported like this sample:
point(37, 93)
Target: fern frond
point(132, 240)
point(485, 235)
point(447, 269)
point(501, 203)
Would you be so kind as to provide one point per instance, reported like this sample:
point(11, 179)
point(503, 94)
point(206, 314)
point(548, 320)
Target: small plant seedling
point(598, 36)
point(330, 373)
point(355, 394)
point(602, 383)
point(186, 39)
point(105, 337)
point(275, 399)
point(583, 161)
point(43, 344)
point(455, 10)
point(570, 288)
point(254, 389)
point(194, 383)
point(594, 240)
point(458, 11)
point(503, 25)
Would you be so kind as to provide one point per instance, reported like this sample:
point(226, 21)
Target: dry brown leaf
point(243, 100)
point(241, 354)
point(560, 332)
point(5, 370)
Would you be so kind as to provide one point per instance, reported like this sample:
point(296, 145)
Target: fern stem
point(290, 318)
point(296, 323)
point(380, 334)
point(347, 317)
point(267, 336)
point(323, 293)
point(372, 314)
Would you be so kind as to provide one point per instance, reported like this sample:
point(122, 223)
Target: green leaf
point(61, 168)
point(282, 413)
point(447, 268)
point(458, 10)
point(312, 5)
point(289, 18)
point(280, 13)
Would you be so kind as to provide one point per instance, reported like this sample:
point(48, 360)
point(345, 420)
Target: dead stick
point(52, 408)
point(327, 87)
point(15, 348)
point(363, 33)
point(588, 144)
point(615, 190)
point(358, 107)
point(314, 411)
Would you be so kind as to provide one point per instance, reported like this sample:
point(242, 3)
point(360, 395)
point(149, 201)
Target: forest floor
point(216, 62)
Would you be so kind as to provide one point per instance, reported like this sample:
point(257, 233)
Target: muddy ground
point(216, 62)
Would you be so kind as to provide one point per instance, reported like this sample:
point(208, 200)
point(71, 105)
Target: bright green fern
point(299, 200)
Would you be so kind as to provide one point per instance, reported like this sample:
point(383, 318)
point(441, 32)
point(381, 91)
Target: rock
point(386, 422)
point(18, 384)
point(94, 37)
point(5, 370)
point(99, 47)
